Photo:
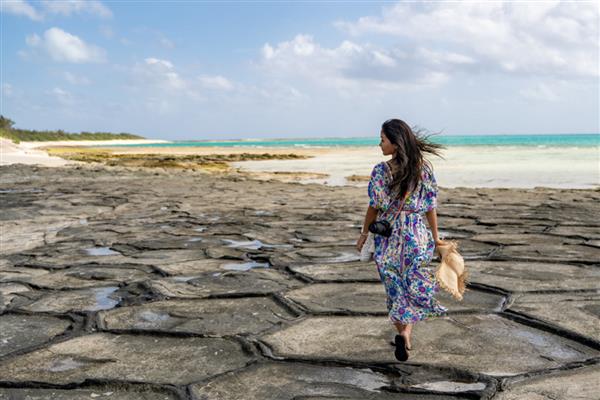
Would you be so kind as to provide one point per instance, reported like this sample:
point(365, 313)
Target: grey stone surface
point(100, 393)
point(472, 342)
point(580, 384)
point(336, 297)
point(577, 312)
point(371, 298)
point(19, 332)
point(145, 259)
point(10, 291)
point(518, 276)
point(92, 299)
point(287, 381)
point(260, 281)
point(103, 356)
point(217, 317)
point(352, 271)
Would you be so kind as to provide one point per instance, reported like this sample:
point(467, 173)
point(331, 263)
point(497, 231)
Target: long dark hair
point(409, 154)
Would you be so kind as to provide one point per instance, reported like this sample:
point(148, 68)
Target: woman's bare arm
point(433, 225)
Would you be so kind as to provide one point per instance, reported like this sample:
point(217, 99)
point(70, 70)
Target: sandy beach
point(475, 166)
point(177, 284)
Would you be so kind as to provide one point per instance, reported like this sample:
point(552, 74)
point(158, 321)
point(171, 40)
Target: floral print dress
point(403, 259)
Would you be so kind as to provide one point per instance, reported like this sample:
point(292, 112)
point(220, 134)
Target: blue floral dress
point(403, 259)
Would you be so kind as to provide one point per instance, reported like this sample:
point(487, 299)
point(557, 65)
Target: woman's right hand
point(361, 241)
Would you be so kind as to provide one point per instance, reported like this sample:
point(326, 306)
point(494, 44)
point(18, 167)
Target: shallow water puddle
point(255, 245)
point(65, 364)
point(103, 300)
point(245, 266)
point(21, 190)
point(101, 251)
point(152, 317)
point(450, 386)
point(183, 278)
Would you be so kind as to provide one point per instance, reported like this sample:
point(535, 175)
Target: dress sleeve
point(378, 197)
point(430, 190)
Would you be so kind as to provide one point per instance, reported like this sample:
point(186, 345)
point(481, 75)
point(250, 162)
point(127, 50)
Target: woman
point(407, 182)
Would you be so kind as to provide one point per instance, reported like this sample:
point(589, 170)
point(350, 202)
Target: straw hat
point(451, 274)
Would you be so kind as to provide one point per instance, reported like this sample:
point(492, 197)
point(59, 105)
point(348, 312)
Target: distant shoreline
point(92, 143)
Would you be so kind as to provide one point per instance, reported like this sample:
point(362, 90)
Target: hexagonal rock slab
point(19, 332)
point(578, 312)
point(371, 298)
point(518, 276)
point(288, 381)
point(88, 275)
point(472, 342)
point(580, 383)
point(195, 267)
point(336, 297)
point(536, 247)
point(92, 299)
point(8, 292)
point(100, 393)
point(103, 356)
point(352, 271)
point(261, 281)
point(217, 317)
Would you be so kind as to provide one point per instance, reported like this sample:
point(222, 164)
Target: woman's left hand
point(360, 243)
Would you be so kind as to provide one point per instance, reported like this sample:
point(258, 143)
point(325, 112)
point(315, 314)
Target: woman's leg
point(405, 331)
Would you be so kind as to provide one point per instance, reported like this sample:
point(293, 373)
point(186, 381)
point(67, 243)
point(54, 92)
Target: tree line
point(7, 130)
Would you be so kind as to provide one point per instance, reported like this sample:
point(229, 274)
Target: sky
point(200, 70)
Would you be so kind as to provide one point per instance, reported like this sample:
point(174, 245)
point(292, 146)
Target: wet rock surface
point(127, 284)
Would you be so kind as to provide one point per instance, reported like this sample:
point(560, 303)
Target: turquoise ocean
point(562, 140)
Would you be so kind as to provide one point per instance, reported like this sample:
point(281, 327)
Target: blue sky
point(221, 70)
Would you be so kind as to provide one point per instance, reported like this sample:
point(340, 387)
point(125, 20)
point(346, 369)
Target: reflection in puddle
point(101, 251)
point(263, 212)
point(450, 386)
point(21, 190)
point(245, 266)
point(65, 364)
point(255, 244)
point(150, 317)
point(183, 278)
point(103, 301)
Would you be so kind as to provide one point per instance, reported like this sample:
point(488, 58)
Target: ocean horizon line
point(537, 140)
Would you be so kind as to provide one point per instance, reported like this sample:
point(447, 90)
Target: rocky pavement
point(162, 284)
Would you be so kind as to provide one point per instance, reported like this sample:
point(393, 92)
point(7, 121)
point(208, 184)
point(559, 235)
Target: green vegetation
point(8, 131)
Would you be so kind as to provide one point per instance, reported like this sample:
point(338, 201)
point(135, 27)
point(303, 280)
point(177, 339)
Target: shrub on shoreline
point(26, 135)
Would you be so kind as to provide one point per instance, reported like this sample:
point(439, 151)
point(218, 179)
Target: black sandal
point(401, 353)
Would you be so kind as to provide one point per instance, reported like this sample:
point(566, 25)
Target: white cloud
point(70, 7)
point(352, 66)
point(62, 96)
point(549, 37)
point(216, 82)
point(74, 79)
point(159, 73)
point(7, 89)
point(63, 46)
point(21, 7)
point(33, 40)
point(540, 91)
